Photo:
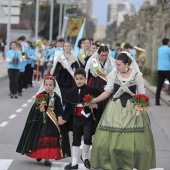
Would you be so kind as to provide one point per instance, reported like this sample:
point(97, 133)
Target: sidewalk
point(164, 96)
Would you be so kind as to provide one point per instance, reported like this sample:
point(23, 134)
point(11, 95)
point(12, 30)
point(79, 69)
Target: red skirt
point(47, 153)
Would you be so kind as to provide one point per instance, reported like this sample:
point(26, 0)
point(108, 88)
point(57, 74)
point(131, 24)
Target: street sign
point(15, 11)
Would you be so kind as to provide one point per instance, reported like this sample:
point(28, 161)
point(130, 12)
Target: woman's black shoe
point(69, 166)
point(47, 163)
point(15, 97)
point(86, 162)
point(38, 160)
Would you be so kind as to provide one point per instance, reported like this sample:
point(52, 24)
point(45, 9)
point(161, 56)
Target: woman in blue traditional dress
point(123, 139)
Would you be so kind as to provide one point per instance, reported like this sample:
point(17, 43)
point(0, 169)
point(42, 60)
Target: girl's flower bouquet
point(87, 101)
point(41, 100)
point(141, 103)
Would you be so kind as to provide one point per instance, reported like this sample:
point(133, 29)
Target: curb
point(164, 96)
point(4, 77)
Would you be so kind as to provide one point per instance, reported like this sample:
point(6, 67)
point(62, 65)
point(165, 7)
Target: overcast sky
point(100, 9)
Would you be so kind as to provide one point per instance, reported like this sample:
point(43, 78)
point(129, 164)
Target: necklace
point(125, 72)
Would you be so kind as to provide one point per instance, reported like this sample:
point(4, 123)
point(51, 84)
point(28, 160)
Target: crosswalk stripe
point(5, 163)
point(61, 165)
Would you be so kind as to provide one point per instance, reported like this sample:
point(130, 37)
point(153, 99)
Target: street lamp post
point(37, 19)
point(60, 18)
point(51, 20)
point(9, 24)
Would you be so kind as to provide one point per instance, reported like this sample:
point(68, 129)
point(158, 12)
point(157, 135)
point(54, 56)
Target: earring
point(126, 69)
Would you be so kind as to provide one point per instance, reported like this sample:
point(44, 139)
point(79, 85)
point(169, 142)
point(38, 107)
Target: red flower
point(40, 95)
point(140, 96)
point(142, 100)
point(87, 97)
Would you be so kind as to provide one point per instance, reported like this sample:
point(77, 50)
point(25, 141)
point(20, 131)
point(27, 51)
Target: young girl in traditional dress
point(42, 137)
point(64, 67)
point(84, 53)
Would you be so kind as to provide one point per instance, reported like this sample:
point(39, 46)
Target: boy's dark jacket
point(33, 126)
point(73, 98)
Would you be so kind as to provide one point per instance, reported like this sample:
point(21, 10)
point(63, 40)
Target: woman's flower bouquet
point(87, 101)
point(41, 100)
point(141, 103)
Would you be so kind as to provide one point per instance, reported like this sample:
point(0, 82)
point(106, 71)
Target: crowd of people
point(90, 93)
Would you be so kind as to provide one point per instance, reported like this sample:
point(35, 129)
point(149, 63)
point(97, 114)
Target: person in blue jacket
point(163, 67)
point(14, 57)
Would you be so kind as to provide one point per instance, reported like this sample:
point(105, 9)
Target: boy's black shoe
point(86, 162)
point(47, 163)
point(68, 166)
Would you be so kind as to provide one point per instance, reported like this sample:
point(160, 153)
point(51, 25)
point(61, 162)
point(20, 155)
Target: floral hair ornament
point(49, 75)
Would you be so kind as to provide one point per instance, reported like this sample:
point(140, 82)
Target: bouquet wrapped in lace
point(141, 103)
point(41, 100)
point(87, 101)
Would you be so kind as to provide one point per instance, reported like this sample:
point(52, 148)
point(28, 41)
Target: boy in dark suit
point(83, 120)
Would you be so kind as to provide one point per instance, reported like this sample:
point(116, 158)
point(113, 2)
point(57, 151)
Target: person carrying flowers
point(43, 137)
point(123, 138)
point(80, 118)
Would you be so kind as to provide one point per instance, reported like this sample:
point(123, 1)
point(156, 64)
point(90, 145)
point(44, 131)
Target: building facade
point(117, 10)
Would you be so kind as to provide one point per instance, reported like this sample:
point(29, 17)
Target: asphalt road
point(13, 114)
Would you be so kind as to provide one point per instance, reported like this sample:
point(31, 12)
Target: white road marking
point(29, 101)
point(3, 124)
point(33, 96)
point(12, 116)
point(19, 110)
point(61, 165)
point(25, 105)
point(5, 163)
